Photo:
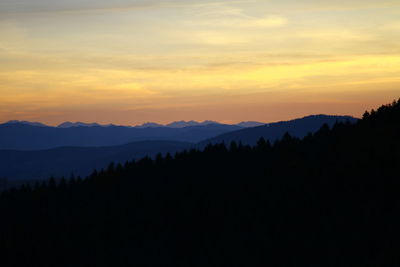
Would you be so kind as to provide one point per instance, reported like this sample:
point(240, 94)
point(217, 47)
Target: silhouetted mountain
point(273, 131)
point(41, 164)
point(182, 124)
point(329, 199)
point(69, 124)
point(176, 124)
point(19, 136)
point(38, 124)
point(248, 124)
point(80, 160)
point(149, 125)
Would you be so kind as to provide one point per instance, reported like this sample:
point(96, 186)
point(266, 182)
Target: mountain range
point(37, 152)
point(38, 124)
point(69, 124)
point(21, 136)
point(329, 199)
point(175, 124)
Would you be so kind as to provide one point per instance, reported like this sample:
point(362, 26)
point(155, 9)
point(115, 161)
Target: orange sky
point(133, 61)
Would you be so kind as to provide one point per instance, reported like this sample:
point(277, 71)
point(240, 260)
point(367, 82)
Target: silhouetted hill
point(40, 164)
point(329, 199)
point(39, 124)
point(248, 124)
point(150, 125)
point(69, 124)
point(273, 131)
point(63, 161)
point(182, 124)
point(18, 136)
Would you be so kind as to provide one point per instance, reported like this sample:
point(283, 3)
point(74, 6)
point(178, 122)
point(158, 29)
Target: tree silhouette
point(330, 199)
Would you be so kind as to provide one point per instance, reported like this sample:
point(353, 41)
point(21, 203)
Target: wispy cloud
point(268, 21)
point(334, 35)
point(10, 7)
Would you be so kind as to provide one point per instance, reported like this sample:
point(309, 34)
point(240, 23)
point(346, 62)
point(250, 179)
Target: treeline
point(330, 199)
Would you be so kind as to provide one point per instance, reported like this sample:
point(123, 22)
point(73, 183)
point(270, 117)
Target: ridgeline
point(328, 199)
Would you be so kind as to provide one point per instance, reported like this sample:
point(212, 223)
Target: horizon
point(212, 132)
point(171, 122)
point(130, 61)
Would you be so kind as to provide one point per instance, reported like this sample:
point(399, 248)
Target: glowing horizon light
point(133, 61)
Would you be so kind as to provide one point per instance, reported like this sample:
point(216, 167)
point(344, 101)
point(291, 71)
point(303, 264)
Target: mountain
point(182, 124)
point(273, 131)
point(249, 124)
point(69, 124)
point(176, 124)
point(329, 199)
point(61, 151)
point(38, 124)
point(149, 125)
point(41, 164)
point(19, 136)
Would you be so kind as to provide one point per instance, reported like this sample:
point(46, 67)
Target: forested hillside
point(18, 166)
point(297, 128)
point(330, 199)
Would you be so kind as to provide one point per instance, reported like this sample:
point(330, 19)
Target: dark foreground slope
point(331, 199)
point(273, 131)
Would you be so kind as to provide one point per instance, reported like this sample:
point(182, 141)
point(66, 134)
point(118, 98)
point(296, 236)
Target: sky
point(134, 61)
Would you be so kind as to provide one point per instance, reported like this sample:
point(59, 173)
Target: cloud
point(216, 38)
point(235, 16)
point(28, 6)
point(334, 35)
point(268, 21)
point(137, 52)
point(11, 7)
point(332, 5)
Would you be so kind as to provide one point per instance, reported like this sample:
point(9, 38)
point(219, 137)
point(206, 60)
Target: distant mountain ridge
point(81, 159)
point(69, 124)
point(38, 124)
point(273, 131)
point(182, 124)
point(20, 136)
point(175, 124)
point(249, 124)
point(150, 125)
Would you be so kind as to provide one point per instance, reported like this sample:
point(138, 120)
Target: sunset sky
point(133, 61)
